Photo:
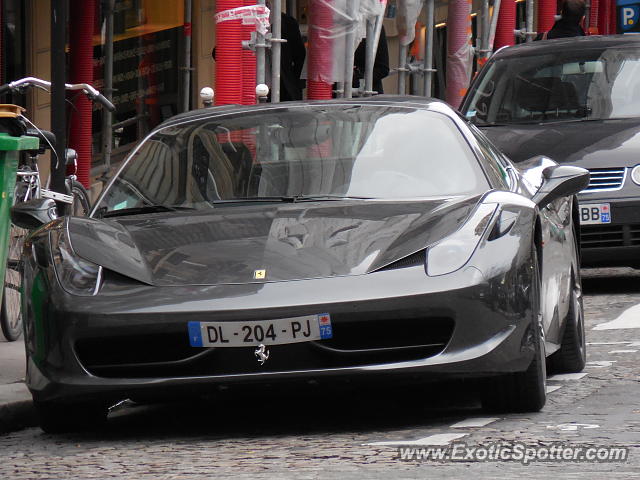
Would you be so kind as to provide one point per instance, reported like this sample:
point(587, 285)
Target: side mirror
point(560, 181)
point(34, 213)
point(532, 170)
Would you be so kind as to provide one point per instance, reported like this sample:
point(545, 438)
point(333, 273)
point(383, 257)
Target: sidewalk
point(16, 407)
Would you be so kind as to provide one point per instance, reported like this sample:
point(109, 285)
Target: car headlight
point(76, 275)
point(635, 174)
point(451, 253)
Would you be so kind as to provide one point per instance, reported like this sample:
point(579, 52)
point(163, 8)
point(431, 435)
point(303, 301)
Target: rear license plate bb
point(595, 213)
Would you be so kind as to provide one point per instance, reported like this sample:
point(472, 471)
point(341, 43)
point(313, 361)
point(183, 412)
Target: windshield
point(298, 152)
point(592, 84)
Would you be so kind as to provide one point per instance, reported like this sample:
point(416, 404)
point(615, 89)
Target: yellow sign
point(259, 274)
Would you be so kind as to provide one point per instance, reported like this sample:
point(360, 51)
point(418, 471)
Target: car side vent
point(606, 179)
point(412, 260)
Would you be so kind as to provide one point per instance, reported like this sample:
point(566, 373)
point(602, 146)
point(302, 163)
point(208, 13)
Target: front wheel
point(523, 391)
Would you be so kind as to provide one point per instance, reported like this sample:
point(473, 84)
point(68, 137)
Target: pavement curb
point(16, 408)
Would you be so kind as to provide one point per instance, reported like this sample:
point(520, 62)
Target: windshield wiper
point(290, 199)
point(156, 208)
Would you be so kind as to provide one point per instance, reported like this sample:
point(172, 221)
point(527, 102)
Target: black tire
point(572, 355)
point(10, 309)
point(61, 418)
point(522, 391)
point(81, 204)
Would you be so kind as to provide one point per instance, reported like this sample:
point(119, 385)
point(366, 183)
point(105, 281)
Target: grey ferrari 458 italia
point(326, 241)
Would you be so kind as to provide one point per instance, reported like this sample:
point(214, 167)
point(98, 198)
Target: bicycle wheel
point(81, 204)
point(10, 310)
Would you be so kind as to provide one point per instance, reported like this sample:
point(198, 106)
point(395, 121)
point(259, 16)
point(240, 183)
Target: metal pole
point(59, 19)
point(494, 23)
point(402, 70)
point(276, 38)
point(370, 56)
point(428, 48)
point(485, 29)
point(349, 49)
point(107, 128)
point(530, 33)
point(260, 54)
point(186, 74)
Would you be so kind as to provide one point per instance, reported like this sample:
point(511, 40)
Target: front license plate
point(595, 213)
point(266, 332)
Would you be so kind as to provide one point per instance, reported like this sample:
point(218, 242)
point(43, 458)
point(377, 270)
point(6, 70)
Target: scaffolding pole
point(494, 24)
point(186, 74)
point(59, 19)
point(276, 40)
point(402, 70)
point(261, 74)
point(428, 47)
point(486, 33)
point(530, 34)
point(349, 51)
point(370, 55)
point(107, 116)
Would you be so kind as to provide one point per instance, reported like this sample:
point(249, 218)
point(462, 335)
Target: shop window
point(147, 55)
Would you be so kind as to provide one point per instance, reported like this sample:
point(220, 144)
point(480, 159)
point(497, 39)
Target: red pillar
point(604, 17)
point(592, 26)
point(228, 81)
point(81, 24)
point(547, 10)
point(320, 59)
point(613, 18)
point(506, 24)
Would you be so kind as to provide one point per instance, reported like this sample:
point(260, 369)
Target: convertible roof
point(568, 44)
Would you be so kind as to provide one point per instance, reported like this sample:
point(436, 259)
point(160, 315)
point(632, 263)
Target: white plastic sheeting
point(345, 33)
point(257, 15)
point(459, 53)
point(407, 16)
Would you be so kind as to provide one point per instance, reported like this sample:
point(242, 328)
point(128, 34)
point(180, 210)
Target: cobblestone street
point(341, 432)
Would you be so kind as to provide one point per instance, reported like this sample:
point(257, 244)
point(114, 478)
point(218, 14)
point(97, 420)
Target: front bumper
point(489, 334)
point(616, 243)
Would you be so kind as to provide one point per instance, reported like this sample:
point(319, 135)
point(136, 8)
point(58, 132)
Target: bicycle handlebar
point(91, 93)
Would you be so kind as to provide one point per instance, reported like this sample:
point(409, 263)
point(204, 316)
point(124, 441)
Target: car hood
point(288, 241)
point(588, 144)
